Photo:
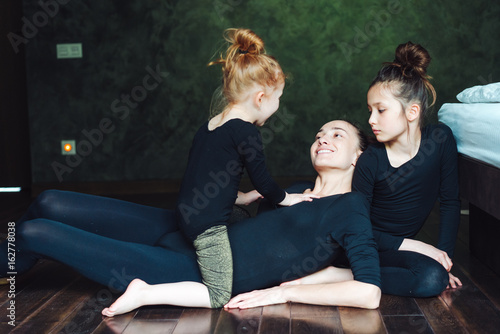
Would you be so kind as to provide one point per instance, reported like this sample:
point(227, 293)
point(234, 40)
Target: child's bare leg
point(139, 293)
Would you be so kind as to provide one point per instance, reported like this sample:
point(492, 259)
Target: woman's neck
point(333, 182)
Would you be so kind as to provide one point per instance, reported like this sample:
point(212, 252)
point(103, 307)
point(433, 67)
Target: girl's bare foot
point(130, 300)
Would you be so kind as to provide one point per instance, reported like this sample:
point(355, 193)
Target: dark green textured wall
point(142, 87)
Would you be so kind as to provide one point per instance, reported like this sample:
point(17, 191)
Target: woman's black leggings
point(112, 242)
point(108, 240)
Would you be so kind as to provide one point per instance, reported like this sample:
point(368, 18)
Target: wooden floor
point(52, 298)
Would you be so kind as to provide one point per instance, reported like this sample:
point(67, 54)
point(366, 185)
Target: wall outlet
point(68, 147)
point(65, 51)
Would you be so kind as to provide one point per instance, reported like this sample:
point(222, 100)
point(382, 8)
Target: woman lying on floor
point(100, 237)
point(281, 244)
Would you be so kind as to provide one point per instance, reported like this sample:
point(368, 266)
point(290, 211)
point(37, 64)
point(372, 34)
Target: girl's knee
point(433, 280)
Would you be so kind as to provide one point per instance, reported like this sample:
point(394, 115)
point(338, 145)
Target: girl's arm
point(347, 293)
point(249, 143)
point(435, 253)
point(386, 241)
point(449, 200)
point(247, 198)
point(363, 180)
point(429, 250)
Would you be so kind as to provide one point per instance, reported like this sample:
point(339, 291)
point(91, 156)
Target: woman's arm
point(352, 231)
point(347, 293)
point(327, 275)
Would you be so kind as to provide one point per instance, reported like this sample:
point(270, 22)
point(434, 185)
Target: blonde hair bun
point(243, 41)
point(246, 64)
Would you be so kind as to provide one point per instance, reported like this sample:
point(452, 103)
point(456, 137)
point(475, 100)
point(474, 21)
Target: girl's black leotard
point(208, 191)
point(213, 173)
point(113, 242)
point(402, 198)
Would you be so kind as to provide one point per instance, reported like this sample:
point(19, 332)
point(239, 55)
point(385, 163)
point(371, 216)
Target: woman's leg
point(111, 262)
point(411, 274)
point(105, 216)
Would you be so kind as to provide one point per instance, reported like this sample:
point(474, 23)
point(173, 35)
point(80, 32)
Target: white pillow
point(481, 94)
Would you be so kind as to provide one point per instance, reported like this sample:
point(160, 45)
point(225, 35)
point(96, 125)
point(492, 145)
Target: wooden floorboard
point(275, 319)
point(242, 321)
point(439, 316)
point(315, 319)
point(194, 320)
point(52, 298)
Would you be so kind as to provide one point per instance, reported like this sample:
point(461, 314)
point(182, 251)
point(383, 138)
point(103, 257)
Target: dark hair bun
point(413, 56)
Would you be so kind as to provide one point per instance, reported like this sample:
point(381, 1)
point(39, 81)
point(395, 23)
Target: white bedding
point(476, 127)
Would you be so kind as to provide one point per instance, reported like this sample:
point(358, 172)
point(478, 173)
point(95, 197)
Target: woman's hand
point(247, 198)
point(429, 250)
point(454, 281)
point(292, 199)
point(257, 298)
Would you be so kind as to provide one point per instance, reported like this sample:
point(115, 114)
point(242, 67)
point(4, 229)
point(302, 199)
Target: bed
point(476, 127)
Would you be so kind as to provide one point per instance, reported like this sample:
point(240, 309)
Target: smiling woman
point(300, 240)
point(100, 237)
point(334, 138)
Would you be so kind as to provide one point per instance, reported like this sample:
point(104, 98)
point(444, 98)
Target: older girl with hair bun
point(252, 85)
point(403, 175)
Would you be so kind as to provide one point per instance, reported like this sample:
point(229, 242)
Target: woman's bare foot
point(130, 300)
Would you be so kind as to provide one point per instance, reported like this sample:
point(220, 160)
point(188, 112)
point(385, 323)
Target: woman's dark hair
point(407, 77)
point(364, 140)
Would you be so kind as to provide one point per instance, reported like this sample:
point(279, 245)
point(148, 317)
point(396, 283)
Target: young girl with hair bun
point(229, 142)
point(403, 174)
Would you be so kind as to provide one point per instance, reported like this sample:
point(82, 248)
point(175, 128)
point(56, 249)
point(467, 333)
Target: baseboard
point(111, 187)
point(141, 186)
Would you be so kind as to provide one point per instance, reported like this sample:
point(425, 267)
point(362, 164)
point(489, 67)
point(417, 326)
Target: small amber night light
point(68, 147)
